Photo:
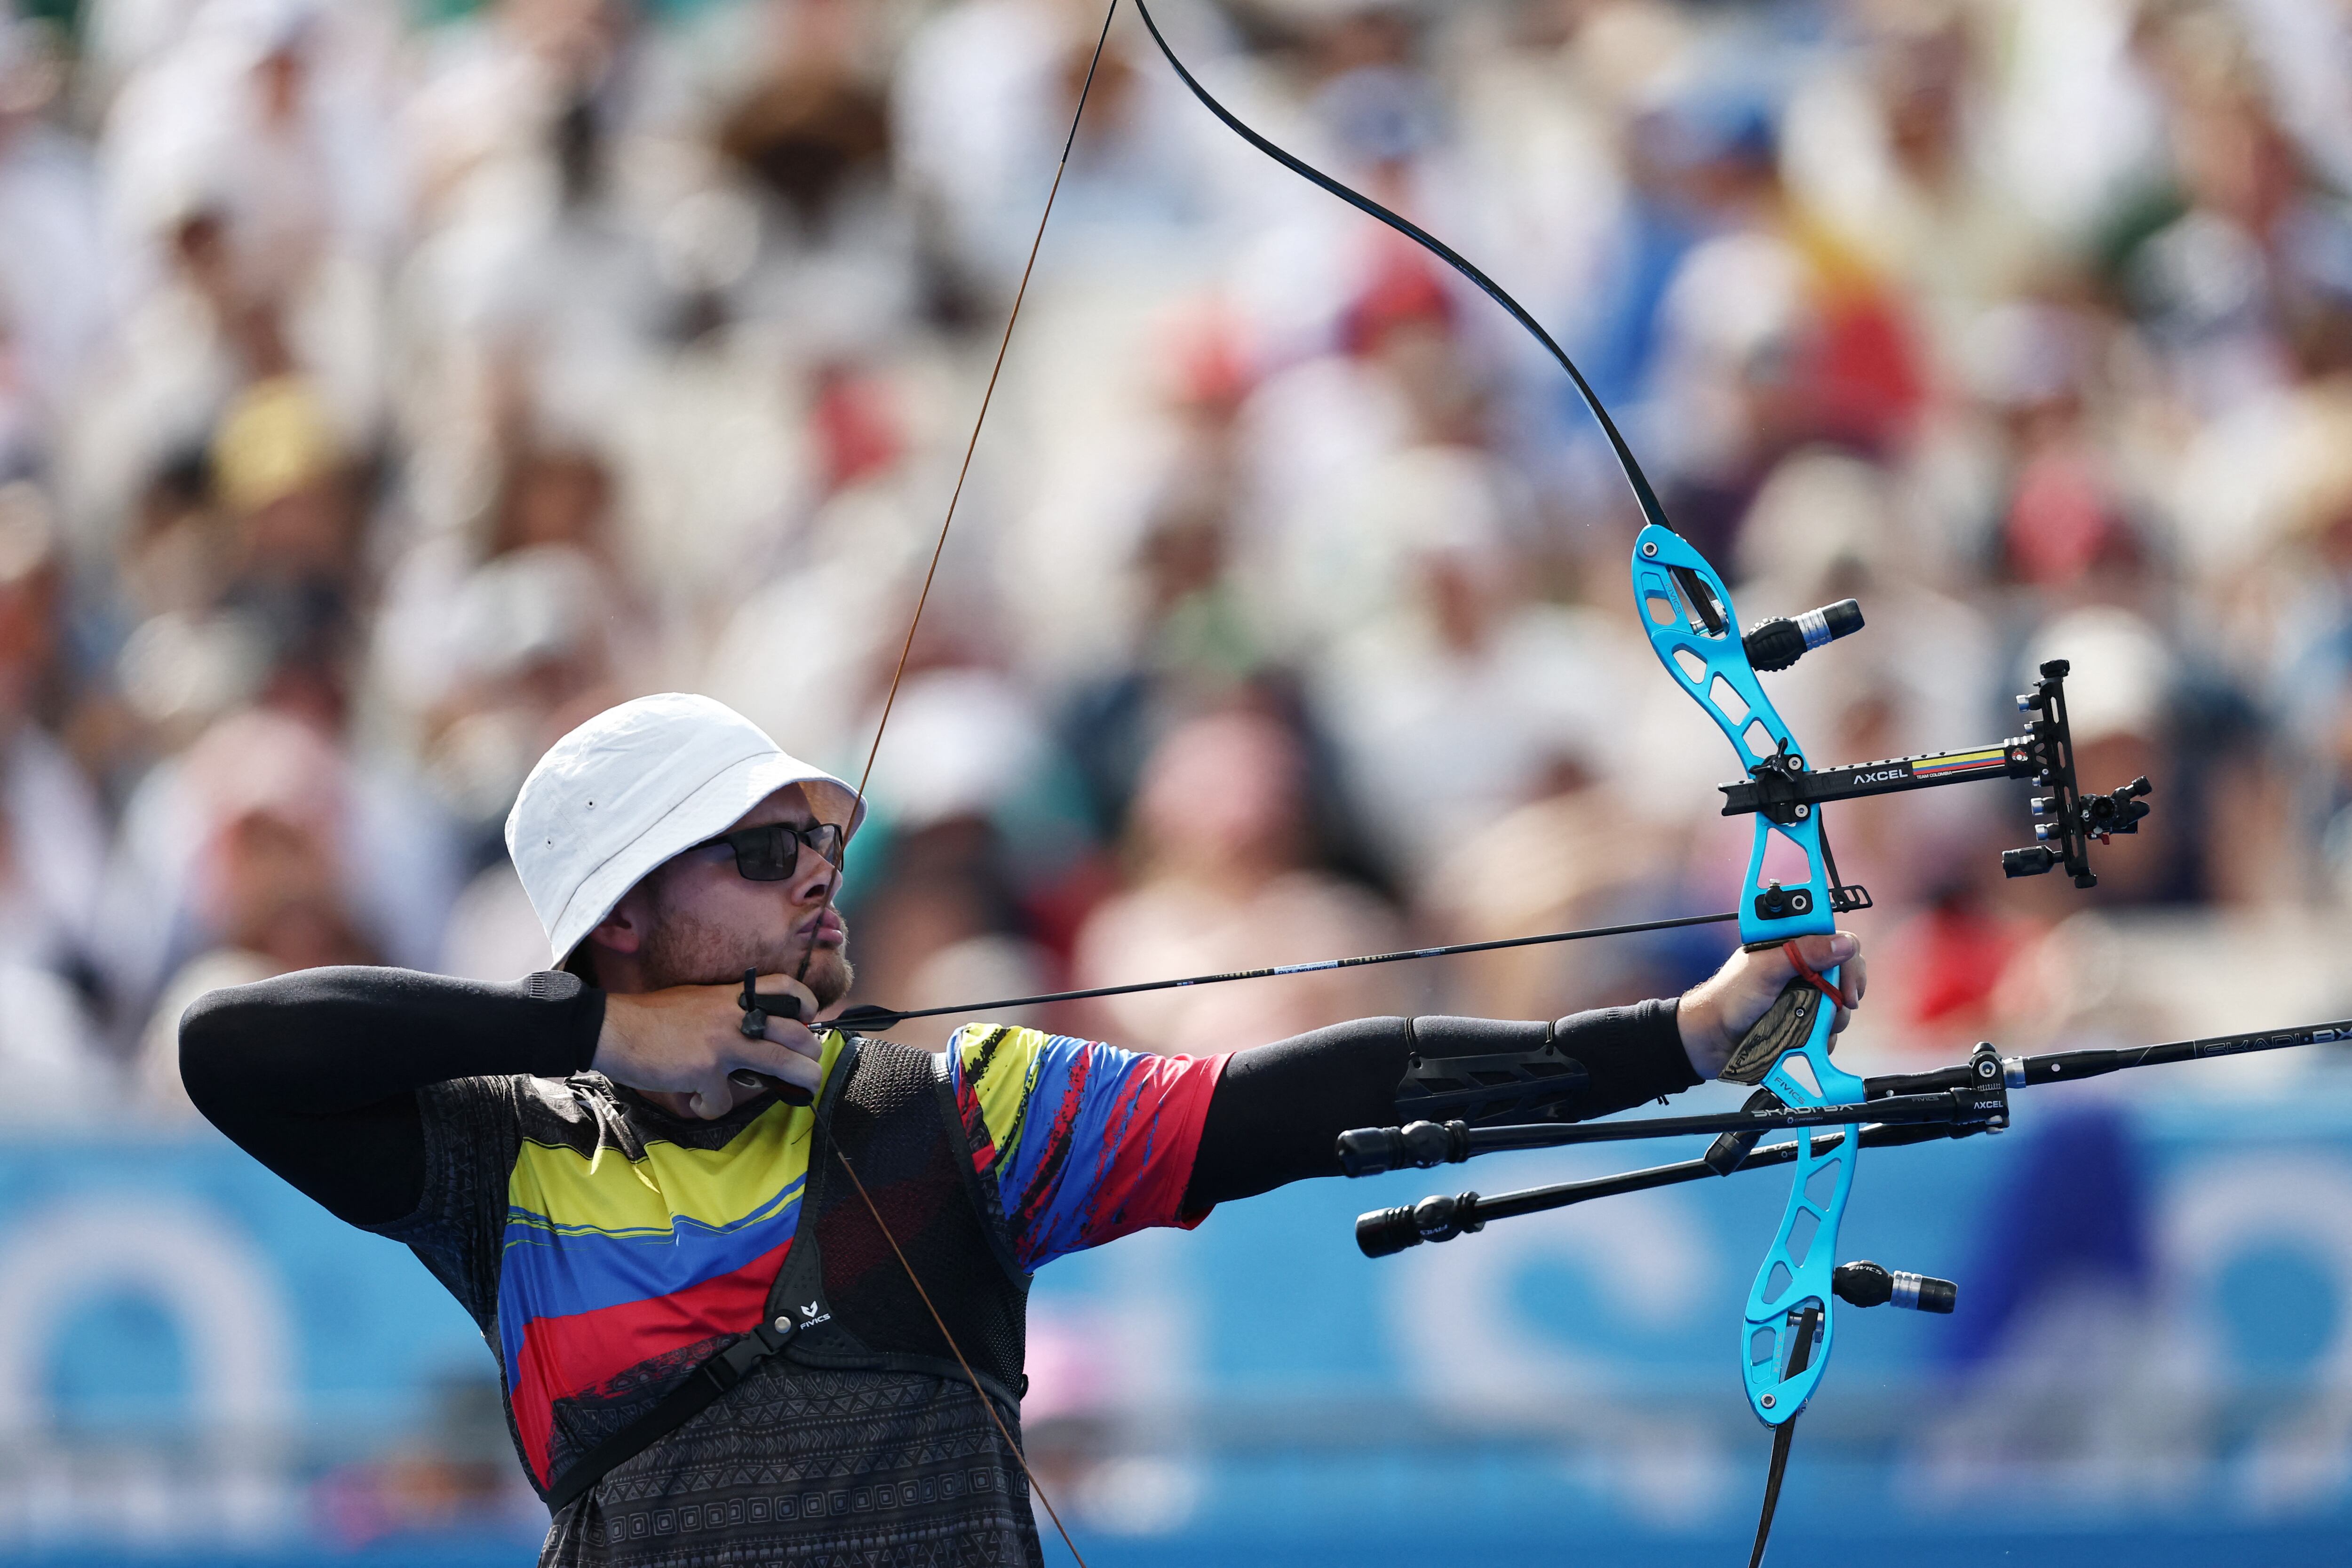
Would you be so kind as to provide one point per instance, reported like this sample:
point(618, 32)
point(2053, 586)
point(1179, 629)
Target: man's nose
point(813, 878)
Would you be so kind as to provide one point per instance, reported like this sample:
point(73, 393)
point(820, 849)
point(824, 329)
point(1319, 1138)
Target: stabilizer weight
point(1368, 1151)
point(1864, 1284)
point(1383, 1233)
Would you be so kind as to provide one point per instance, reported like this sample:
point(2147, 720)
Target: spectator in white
point(967, 839)
point(796, 650)
point(272, 117)
point(261, 883)
point(1219, 837)
point(58, 299)
point(267, 837)
point(1458, 688)
point(527, 649)
point(52, 837)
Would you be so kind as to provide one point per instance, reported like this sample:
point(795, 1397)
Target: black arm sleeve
point(1280, 1109)
point(315, 1074)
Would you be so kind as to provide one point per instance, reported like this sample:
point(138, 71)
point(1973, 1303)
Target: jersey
point(606, 1248)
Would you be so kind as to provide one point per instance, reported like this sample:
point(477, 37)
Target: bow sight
point(1784, 790)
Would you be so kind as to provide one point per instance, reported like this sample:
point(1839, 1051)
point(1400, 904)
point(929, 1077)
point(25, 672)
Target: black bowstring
point(866, 775)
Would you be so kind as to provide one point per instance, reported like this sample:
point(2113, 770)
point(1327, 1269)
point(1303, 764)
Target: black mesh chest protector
point(896, 1120)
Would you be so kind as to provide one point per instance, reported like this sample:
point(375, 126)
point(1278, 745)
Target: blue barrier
point(2152, 1362)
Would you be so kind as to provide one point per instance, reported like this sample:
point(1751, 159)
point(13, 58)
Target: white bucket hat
point(634, 787)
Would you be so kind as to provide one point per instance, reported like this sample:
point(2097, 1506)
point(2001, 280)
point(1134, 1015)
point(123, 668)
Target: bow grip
point(1785, 1027)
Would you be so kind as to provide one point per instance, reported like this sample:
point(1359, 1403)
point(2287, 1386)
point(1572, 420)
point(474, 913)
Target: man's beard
point(683, 951)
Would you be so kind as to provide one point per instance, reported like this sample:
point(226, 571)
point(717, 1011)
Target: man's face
point(707, 923)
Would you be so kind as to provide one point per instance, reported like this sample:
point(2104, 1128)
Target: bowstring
point(986, 397)
point(1643, 496)
point(889, 700)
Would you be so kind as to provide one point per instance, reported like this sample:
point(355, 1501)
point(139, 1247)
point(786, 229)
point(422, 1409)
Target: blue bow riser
point(1698, 642)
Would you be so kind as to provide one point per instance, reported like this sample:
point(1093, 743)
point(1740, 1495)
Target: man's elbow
point(209, 1031)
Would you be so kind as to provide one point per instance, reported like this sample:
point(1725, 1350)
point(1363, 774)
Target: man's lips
point(826, 931)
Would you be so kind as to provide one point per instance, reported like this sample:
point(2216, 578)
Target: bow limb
point(1644, 495)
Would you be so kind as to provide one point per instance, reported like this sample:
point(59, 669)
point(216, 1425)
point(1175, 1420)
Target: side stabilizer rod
point(1385, 1232)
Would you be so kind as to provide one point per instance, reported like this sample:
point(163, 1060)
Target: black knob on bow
point(2117, 811)
point(1368, 1151)
point(1866, 1284)
point(1781, 642)
point(1383, 1233)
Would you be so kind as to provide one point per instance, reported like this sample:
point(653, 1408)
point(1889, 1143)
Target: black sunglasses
point(772, 851)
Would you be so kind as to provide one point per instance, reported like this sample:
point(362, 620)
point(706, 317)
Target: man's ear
point(623, 930)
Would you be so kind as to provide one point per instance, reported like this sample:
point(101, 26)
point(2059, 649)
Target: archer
point(756, 1286)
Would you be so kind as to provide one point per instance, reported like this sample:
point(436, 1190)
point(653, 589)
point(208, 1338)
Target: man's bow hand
point(1715, 1013)
point(684, 1041)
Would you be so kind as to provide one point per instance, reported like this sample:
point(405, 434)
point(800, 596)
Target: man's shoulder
point(583, 1110)
point(980, 1050)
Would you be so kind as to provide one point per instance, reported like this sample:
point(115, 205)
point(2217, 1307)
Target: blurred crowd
point(385, 387)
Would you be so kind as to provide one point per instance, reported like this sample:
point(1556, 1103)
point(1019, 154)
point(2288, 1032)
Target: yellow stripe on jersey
point(1000, 1065)
point(556, 1188)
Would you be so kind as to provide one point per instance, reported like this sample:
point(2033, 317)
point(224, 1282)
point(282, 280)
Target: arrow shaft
point(877, 1019)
